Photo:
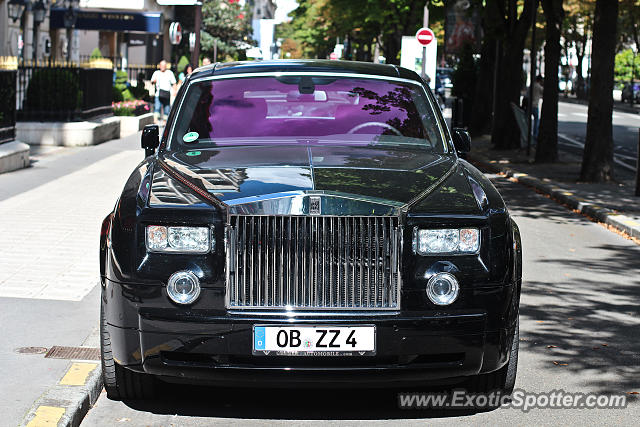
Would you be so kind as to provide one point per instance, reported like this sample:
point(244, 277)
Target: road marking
point(615, 156)
point(627, 115)
point(46, 416)
point(78, 373)
point(580, 114)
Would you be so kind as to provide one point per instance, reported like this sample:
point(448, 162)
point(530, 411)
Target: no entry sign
point(425, 36)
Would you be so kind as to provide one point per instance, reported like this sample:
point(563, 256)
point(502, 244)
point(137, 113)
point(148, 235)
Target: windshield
point(303, 109)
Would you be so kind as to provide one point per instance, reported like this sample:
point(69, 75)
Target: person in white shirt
point(538, 92)
point(164, 80)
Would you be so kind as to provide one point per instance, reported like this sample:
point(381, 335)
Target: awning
point(144, 22)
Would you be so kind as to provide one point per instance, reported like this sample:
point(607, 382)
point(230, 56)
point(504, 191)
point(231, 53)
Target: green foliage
point(183, 62)
point(95, 54)
point(625, 65)
point(127, 95)
point(7, 94)
point(139, 92)
point(226, 23)
point(121, 78)
point(364, 23)
point(53, 89)
point(116, 95)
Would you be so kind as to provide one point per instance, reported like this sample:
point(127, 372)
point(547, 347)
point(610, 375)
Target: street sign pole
point(425, 37)
point(425, 24)
point(195, 54)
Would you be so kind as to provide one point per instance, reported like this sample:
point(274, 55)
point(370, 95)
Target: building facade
point(131, 31)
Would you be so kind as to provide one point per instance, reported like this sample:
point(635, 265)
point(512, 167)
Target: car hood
point(245, 174)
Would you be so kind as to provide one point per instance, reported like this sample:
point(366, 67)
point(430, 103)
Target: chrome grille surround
point(291, 262)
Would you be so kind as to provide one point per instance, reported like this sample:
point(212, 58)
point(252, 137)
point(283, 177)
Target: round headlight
point(183, 287)
point(442, 289)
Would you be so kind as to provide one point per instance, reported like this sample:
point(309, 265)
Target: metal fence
point(134, 71)
point(7, 105)
point(62, 93)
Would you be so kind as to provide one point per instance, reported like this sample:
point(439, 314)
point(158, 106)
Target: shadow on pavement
point(292, 404)
point(583, 318)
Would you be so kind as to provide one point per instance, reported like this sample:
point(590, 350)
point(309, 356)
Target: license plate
point(314, 340)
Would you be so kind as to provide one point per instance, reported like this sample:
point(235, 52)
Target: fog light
point(183, 287)
point(442, 289)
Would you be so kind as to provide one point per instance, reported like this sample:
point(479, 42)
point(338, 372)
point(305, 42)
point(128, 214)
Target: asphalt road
point(579, 333)
point(572, 129)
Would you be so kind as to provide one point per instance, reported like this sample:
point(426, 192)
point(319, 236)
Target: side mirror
point(461, 140)
point(150, 139)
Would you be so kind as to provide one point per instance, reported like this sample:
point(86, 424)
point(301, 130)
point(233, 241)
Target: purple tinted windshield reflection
point(345, 110)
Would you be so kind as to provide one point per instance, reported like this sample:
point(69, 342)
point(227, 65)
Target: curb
point(591, 210)
point(73, 401)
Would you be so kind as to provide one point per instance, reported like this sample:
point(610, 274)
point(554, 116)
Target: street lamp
point(69, 20)
point(39, 11)
point(16, 9)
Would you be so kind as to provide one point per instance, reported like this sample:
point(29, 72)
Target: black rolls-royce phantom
point(308, 223)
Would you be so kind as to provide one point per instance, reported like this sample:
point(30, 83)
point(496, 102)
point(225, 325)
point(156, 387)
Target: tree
point(630, 35)
point(597, 161)
point(627, 66)
point(482, 111)
point(578, 25)
point(547, 148)
point(225, 25)
point(311, 27)
point(512, 28)
point(363, 25)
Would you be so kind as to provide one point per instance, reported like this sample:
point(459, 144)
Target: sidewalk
point(51, 214)
point(613, 204)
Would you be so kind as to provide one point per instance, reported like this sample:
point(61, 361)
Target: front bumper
point(201, 346)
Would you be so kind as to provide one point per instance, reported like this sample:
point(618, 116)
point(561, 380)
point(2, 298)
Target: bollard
point(638, 167)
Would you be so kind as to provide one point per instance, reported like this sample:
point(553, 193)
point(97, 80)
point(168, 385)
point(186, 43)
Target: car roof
point(305, 65)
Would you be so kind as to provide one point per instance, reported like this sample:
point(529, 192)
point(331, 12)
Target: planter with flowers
point(134, 116)
point(130, 108)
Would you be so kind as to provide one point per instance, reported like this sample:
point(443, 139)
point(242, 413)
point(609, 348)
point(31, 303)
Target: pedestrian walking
point(188, 69)
point(538, 90)
point(164, 81)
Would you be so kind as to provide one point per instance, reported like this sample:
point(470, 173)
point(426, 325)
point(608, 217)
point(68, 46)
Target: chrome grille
point(313, 262)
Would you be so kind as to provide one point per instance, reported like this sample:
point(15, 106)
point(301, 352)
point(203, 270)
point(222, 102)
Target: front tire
point(121, 383)
point(504, 379)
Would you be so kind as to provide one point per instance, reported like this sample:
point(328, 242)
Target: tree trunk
point(581, 93)
point(482, 111)
point(391, 46)
point(505, 133)
point(597, 161)
point(547, 148)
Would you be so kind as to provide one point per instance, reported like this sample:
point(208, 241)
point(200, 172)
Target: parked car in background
point(445, 75)
point(630, 91)
point(308, 222)
point(565, 85)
